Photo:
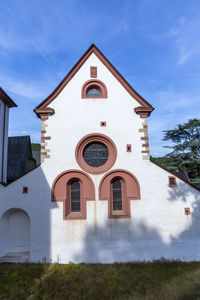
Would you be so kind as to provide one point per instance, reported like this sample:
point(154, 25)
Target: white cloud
point(32, 90)
point(186, 36)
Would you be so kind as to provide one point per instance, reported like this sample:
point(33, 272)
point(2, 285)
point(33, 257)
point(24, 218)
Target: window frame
point(130, 187)
point(172, 185)
point(68, 213)
point(93, 87)
point(124, 210)
point(70, 194)
point(101, 138)
point(60, 192)
point(91, 83)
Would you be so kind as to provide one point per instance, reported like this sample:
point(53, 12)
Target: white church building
point(96, 196)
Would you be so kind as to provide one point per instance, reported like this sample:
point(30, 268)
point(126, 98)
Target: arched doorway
point(15, 231)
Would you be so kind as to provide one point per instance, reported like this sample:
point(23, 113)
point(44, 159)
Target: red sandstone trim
point(187, 211)
point(175, 184)
point(130, 190)
point(110, 67)
point(96, 137)
point(145, 151)
point(143, 112)
point(94, 82)
point(93, 72)
point(43, 113)
point(45, 138)
point(44, 118)
point(43, 153)
point(60, 192)
point(128, 148)
point(144, 138)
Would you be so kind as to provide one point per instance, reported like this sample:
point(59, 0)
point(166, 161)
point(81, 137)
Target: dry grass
point(145, 281)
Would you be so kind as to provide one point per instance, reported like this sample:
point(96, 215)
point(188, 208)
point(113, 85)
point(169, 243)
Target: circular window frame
point(101, 138)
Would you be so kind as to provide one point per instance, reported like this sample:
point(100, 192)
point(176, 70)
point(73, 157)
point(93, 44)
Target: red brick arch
point(130, 191)
point(94, 82)
point(59, 192)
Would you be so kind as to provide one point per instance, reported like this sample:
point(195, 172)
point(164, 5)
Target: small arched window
point(93, 92)
point(94, 89)
point(117, 194)
point(75, 197)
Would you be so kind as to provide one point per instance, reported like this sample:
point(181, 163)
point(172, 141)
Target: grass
point(161, 279)
point(35, 147)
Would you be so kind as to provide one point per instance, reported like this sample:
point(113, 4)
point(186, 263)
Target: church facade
point(97, 197)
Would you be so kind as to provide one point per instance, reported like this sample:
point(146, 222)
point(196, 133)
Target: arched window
point(75, 196)
point(116, 186)
point(94, 89)
point(93, 92)
point(119, 187)
point(74, 188)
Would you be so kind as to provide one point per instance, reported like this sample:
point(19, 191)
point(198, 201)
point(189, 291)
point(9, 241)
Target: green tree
point(186, 147)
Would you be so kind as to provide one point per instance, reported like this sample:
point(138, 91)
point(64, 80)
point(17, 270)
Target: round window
point(95, 154)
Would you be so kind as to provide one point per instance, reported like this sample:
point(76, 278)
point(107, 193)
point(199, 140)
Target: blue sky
point(154, 44)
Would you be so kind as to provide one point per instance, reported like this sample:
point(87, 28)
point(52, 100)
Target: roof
point(183, 175)
point(195, 186)
point(19, 152)
point(110, 67)
point(36, 156)
point(6, 99)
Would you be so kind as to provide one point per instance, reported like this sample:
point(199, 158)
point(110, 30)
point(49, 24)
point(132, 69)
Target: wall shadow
point(37, 205)
point(129, 240)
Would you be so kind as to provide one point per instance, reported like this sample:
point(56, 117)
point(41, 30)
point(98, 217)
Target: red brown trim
point(143, 112)
point(130, 189)
point(96, 137)
point(93, 72)
point(128, 148)
point(193, 186)
point(174, 178)
point(60, 192)
point(187, 211)
point(97, 83)
point(110, 67)
point(6, 99)
point(46, 138)
point(43, 113)
point(103, 124)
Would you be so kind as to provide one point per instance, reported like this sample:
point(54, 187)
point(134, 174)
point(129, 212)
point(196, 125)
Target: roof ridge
point(93, 49)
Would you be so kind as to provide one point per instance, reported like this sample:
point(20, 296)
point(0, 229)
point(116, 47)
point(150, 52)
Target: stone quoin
point(96, 196)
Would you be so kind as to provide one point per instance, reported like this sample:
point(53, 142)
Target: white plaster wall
point(157, 227)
